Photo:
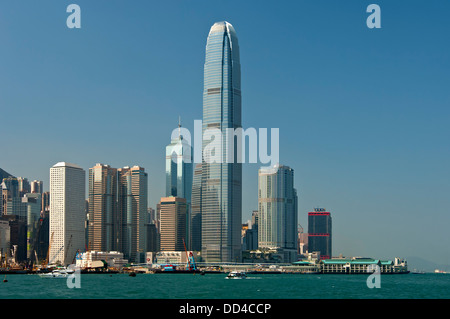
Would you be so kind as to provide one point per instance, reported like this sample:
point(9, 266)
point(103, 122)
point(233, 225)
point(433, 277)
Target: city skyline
point(362, 114)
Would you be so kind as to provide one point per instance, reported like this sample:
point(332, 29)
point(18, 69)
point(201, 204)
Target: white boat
point(57, 273)
point(237, 275)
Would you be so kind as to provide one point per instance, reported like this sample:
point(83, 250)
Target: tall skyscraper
point(278, 215)
point(67, 212)
point(221, 181)
point(103, 208)
point(319, 233)
point(133, 199)
point(173, 223)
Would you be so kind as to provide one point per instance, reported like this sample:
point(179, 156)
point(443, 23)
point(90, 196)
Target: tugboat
point(237, 275)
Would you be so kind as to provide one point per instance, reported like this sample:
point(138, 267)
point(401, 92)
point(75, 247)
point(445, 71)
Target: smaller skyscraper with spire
point(179, 172)
point(179, 167)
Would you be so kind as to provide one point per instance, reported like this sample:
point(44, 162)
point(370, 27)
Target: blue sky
point(363, 113)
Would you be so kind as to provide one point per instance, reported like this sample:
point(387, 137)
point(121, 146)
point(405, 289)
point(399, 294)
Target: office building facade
point(133, 204)
point(277, 213)
point(173, 223)
point(67, 212)
point(103, 231)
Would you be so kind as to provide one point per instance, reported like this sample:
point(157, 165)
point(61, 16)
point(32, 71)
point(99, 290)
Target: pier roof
point(359, 261)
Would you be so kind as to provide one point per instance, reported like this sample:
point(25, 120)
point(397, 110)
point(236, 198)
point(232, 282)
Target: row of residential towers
point(117, 208)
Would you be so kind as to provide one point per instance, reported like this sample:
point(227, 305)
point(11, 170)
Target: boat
point(169, 268)
point(60, 272)
point(418, 272)
point(236, 275)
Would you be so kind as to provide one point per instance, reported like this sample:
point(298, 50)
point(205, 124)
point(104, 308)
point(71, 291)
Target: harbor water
point(216, 286)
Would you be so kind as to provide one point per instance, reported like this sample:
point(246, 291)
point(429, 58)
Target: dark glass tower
point(221, 180)
point(319, 233)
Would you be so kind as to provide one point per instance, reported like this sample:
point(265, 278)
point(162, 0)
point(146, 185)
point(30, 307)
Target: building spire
point(179, 126)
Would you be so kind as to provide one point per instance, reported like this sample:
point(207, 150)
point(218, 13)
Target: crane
point(187, 256)
point(190, 259)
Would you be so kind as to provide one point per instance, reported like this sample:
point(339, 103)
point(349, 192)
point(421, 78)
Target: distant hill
point(418, 263)
point(4, 174)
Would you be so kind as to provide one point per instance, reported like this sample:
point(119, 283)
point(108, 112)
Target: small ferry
point(236, 275)
point(59, 272)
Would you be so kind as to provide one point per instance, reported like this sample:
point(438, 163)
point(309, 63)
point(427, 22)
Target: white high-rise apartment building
point(67, 212)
